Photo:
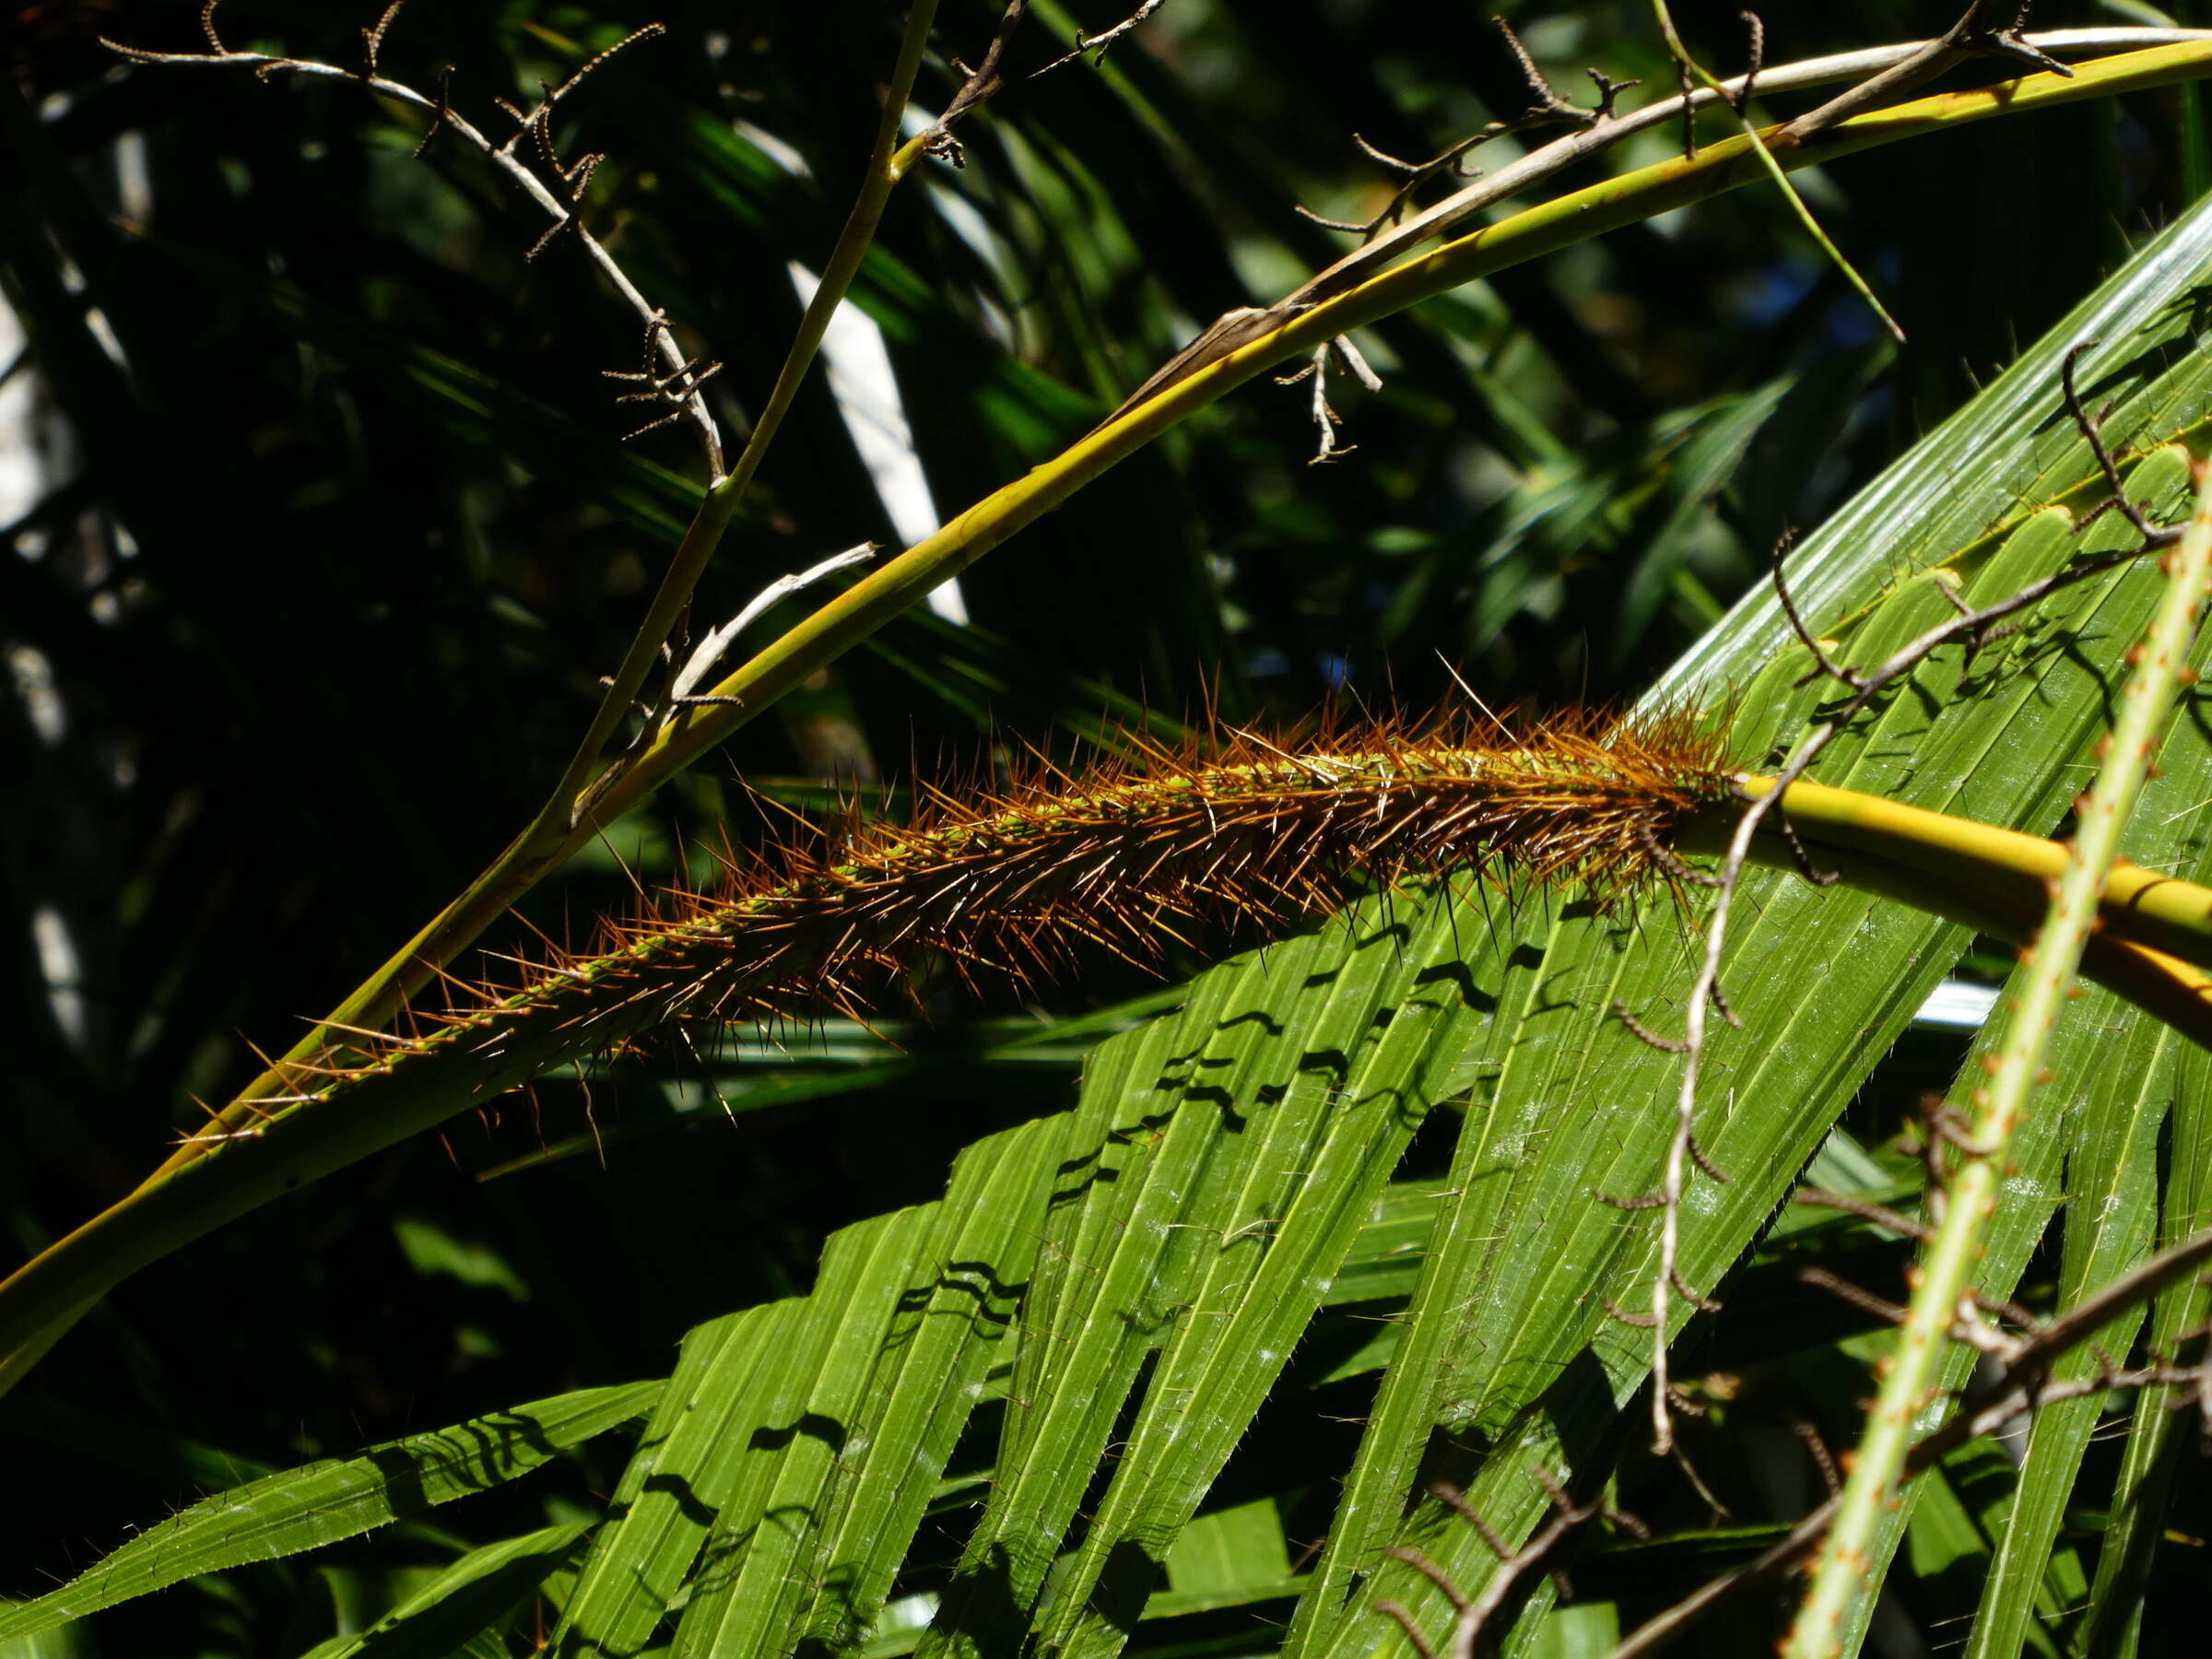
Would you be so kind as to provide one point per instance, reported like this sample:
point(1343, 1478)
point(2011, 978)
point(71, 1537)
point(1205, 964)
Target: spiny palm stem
point(1022, 880)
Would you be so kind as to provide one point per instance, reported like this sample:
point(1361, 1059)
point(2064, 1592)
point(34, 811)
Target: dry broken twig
point(1473, 1614)
point(987, 79)
point(530, 159)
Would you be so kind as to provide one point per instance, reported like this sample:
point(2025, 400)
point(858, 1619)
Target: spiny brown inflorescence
point(1021, 880)
point(1017, 879)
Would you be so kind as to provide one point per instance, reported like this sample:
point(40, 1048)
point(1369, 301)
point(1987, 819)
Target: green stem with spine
point(1844, 1575)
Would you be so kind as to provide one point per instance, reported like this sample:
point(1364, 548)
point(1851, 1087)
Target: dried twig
point(556, 188)
point(1100, 44)
point(1237, 327)
point(673, 391)
point(1546, 109)
point(1343, 355)
point(987, 79)
point(709, 650)
point(983, 84)
point(1906, 1227)
point(1473, 1614)
point(1964, 39)
point(1823, 665)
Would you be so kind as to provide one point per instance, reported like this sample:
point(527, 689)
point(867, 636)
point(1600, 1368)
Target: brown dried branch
point(1473, 1614)
point(1856, 1295)
point(2033, 1356)
point(1851, 1204)
point(1643, 1033)
point(1823, 665)
point(558, 193)
point(1100, 44)
point(673, 392)
point(373, 38)
point(1906, 1227)
point(984, 83)
point(1546, 109)
point(987, 80)
point(1966, 38)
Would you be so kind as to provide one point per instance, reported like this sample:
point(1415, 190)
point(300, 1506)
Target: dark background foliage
point(333, 534)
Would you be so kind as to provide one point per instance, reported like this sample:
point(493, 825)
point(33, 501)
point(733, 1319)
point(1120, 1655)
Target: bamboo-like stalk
point(1842, 1576)
point(2006, 868)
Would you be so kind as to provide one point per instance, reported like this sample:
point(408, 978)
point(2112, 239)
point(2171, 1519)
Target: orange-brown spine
point(1021, 880)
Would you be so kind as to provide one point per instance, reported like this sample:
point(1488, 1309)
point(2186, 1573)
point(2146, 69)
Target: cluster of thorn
point(1121, 858)
point(1019, 881)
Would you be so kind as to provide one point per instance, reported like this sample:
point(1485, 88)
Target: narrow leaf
point(322, 1502)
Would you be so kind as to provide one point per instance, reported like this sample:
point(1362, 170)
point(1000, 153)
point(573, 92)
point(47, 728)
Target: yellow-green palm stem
point(2009, 871)
point(2173, 991)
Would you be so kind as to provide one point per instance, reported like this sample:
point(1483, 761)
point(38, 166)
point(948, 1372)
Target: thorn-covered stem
point(1842, 1575)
